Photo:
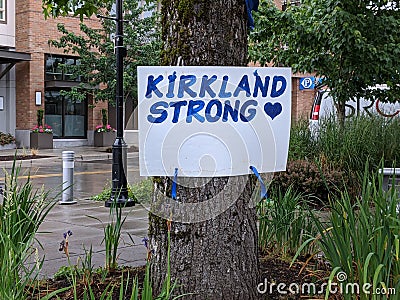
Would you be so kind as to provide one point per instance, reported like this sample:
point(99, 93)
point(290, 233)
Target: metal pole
point(68, 178)
point(119, 192)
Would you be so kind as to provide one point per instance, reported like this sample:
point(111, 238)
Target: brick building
point(8, 58)
point(39, 81)
point(36, 80)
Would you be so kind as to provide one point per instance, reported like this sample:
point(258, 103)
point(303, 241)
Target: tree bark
point(341, 111)
point(213, 234)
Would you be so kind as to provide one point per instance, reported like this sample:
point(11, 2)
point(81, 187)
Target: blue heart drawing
point(272, 110)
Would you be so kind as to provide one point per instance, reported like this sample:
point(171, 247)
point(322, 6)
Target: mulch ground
point(273, 271)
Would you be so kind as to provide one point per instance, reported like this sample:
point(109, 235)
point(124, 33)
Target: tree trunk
point(213, 234)
point(341, 111)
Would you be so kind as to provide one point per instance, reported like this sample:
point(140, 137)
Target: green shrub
point(6, 138)
point(308, 178)
point(143, 190)
point(140, 192)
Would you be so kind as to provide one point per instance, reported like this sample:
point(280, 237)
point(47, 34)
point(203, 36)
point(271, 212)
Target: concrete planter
point(41, 140)
point(104, 139)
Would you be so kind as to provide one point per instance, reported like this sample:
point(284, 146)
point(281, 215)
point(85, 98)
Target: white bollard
point(68, 178)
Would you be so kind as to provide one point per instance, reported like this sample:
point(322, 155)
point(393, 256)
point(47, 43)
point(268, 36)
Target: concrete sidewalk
point(87, 218)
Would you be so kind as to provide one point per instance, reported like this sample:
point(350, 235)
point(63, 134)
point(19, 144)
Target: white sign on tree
point(213, 121)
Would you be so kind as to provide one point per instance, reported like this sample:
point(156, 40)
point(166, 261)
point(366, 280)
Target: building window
point(56, 71)
point(67, 118)
point(3, 11)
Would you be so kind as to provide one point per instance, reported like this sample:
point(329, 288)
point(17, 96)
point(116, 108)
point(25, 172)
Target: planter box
point(104, 139)
point(41, 140)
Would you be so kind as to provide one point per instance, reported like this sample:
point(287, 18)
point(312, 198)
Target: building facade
point(31, 79)
point(9, 57)
point(40, 80)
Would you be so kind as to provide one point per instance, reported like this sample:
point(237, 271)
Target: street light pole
point(119, 192)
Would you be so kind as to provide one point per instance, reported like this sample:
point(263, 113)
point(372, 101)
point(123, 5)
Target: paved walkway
point(87, 218)
point(88, 231)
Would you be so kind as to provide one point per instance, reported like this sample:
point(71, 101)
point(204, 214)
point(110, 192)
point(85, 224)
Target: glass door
point(67, 118)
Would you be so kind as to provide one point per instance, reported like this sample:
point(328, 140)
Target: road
point(91, 173)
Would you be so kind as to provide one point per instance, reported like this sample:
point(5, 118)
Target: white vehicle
point(324, 107)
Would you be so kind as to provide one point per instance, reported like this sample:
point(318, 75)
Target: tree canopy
point(81, 8)
point(95, 48)
point(352, 44)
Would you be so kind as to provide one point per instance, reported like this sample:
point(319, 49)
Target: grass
point(359, 233)
point(361, 238)
point(348, 148)
point(284, 223)
point(21, 213)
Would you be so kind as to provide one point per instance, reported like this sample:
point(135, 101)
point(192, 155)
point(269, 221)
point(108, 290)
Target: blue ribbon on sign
point(173, 190)
point(263, 189)
point(251, 5)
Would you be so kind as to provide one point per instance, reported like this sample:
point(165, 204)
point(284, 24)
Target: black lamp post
point(119, 192)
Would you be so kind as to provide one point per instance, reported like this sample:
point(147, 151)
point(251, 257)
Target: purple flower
point(67, 234)
point(62, 246)
point(145, 240)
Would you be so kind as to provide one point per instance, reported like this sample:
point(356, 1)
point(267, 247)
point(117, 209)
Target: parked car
point(323, 107)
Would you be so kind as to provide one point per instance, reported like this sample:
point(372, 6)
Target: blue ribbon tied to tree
point(251, 5)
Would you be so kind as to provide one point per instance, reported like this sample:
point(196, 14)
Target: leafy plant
point(344, 41)
point(302, 144)
point(344, 149)
point(361, 139)
point(6, 138)
point(39, 114)
point(104, 195)
point(141, 37)
point(308, 178)
point(87, 266)
point(140, 192)
point(284, 223)
point(112, 235)
point(22, 212)
point(362, 239)
point(104, 117)
point(105, 127)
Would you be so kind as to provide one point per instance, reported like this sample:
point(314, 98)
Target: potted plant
point(7, 141)
point(104, 135)
point(42, 134)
